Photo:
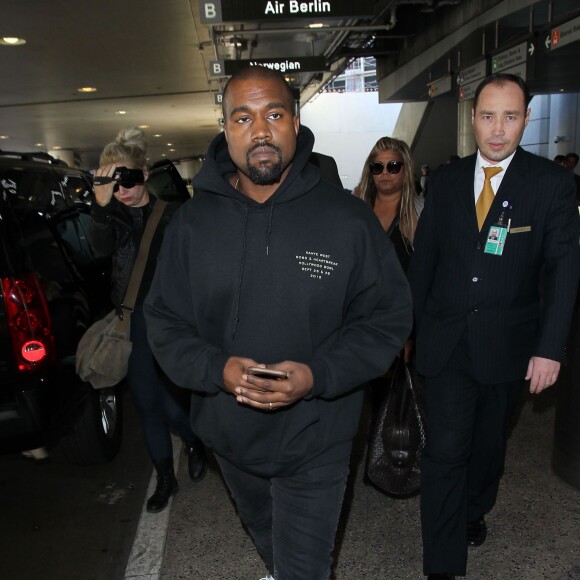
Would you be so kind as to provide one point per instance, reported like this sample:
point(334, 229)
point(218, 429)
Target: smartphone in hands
point(267, 373)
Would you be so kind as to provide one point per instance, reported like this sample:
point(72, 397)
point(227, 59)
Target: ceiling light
point(4, 137)
point(87, 89)
point(38, 144)
point(169, 144)
point(172, 149)
point(56, 148)
point(316, 25)
point(158, 135)
point(143, 126)
point(12, 41)
point(120, 112)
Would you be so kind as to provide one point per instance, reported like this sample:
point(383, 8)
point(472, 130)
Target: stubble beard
point(265, 173)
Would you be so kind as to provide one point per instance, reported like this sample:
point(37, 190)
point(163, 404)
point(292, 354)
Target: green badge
point(495, 240)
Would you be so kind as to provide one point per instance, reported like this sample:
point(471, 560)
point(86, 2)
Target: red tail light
point(29, 322)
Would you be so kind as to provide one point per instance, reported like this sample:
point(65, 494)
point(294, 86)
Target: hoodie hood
point(218, 167)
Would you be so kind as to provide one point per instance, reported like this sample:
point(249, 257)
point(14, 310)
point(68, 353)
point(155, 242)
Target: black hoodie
point(307, 276)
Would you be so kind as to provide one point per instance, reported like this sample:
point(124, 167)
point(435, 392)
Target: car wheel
point(96, 435)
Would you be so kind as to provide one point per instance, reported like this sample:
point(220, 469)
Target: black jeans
point(159, 410)
point(293, 519)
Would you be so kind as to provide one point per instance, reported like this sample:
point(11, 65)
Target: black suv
point(51, 289)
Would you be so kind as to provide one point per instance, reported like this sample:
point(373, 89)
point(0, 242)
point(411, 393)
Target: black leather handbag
point(399, 433)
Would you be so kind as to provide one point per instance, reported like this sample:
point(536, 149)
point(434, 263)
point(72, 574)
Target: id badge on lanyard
point(497, 235)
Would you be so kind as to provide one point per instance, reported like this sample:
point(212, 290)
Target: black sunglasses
point(393, 167)
point(126, 185)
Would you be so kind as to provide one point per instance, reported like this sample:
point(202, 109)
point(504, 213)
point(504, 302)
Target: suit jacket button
point(473, 311)
point(475, 279)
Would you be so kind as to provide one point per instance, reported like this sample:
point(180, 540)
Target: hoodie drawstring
point(269, 230)
point(241, 274)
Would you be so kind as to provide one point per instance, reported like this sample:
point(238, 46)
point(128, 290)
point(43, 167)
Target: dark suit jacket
point(498, 301)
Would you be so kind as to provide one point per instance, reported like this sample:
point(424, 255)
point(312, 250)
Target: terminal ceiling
point(155, 60)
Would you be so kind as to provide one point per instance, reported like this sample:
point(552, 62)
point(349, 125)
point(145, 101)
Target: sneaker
point(40, 454)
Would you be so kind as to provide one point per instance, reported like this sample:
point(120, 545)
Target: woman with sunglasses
point(388, 185)
point(123, 206)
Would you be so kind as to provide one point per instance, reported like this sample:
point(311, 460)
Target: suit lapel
point(464, 192)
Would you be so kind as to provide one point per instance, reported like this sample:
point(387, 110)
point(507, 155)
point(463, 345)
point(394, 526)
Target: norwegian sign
point(212, 11)
point(225, 68)
point(564, 34)
point(469, 78)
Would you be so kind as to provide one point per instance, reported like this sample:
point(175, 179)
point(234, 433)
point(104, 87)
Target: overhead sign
point(469, 78)
point(440, 86)
point(519, 70)
point(564, 34)
point(467, 91)
point(225, 68)
point(510, 58)
point(472, 73)
point(217, 98)
point(213, 11)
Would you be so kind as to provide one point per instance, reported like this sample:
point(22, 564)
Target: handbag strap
point(139, 265)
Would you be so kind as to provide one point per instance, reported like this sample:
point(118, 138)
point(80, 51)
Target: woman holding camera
point(118, 218)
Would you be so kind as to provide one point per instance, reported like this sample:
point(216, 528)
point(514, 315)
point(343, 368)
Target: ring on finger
point(271, 408)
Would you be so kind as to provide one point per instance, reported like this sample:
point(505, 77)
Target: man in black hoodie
point(270, 265)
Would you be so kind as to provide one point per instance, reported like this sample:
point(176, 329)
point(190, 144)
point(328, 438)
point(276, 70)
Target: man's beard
point(266, 173)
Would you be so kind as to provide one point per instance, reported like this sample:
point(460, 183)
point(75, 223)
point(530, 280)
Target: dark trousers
point(293, 519)
point(159, 410)
point(463, 459)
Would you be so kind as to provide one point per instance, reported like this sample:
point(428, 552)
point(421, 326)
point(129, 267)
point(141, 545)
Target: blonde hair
point(368, 191)
point(130, 145)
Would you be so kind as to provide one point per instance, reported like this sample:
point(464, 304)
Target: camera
point(124, 175)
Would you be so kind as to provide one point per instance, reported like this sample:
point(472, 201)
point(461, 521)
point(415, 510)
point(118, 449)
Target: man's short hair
point(502, 79)
point(573, 156)
point(251, 73)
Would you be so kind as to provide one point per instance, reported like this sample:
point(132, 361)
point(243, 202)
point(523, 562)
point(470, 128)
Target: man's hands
point(104, 193)
point(542, 373)
point(267, 394)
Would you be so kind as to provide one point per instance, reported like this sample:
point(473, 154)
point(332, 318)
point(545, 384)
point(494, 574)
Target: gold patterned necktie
point(486, 196)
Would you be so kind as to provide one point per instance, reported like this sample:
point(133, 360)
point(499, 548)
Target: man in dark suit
point(489, 315)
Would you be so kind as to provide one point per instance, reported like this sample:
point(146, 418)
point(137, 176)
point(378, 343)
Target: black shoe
point(166, 486)
point(476, 533)
point(441, 577)
point(196, 460)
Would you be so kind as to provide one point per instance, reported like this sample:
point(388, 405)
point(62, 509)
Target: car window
point(35, 190)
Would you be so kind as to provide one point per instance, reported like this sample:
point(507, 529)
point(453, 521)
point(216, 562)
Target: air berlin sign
point(213, 11)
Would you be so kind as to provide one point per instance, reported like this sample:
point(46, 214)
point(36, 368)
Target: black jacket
point(307, 276)
point(116, 231)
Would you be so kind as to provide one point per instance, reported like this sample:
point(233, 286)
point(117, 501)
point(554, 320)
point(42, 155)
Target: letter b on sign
point(217, 68)
point(210, 11)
